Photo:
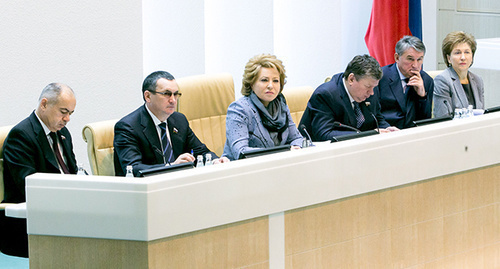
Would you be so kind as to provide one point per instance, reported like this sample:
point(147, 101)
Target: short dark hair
point(408, 42)
point(363, 65)
point(149, 83)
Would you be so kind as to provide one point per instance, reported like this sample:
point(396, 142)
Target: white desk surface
point(180, 202)
point(16, 211)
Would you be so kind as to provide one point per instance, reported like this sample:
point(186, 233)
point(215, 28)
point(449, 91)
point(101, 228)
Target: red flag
point(388, 24)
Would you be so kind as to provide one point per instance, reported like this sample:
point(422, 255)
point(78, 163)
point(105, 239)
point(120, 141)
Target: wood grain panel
point(229, 246)
point(239, 245)
point(417, 225)
point(70, 252)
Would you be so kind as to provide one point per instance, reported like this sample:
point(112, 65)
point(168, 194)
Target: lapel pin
point(175, 130)
point(63, 137)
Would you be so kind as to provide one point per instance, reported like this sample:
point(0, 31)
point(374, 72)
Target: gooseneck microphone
point(376, 122)
point(340, 125)
point(303, 128)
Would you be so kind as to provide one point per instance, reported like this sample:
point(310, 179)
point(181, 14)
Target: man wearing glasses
point(155, 134)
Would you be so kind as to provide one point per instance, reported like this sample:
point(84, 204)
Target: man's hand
point(184, 158)
point(417, 83)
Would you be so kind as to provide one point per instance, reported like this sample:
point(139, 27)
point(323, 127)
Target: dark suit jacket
point(330, 103)
point(401, 110)
point(27, 151)
point(137, 143)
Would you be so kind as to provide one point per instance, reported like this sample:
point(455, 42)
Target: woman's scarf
point(275, 116)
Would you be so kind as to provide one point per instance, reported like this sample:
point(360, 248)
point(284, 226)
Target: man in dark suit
point(346, 100)
point(39, 143)
point(405, 91)
point(154, 135)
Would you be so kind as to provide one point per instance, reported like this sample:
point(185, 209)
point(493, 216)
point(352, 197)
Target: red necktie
point(59, 158)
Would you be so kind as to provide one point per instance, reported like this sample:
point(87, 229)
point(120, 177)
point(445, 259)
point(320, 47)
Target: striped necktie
point(167, 149)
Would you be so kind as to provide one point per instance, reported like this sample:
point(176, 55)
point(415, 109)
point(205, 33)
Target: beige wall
point(93, 46)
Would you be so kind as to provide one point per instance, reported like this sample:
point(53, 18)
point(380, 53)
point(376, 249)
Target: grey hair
point(408, 42)
point(52, 92)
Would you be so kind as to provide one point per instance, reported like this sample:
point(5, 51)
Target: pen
point(192, 152)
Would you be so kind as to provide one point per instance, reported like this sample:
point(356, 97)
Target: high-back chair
point(4, 131)
point(434, 73)
point(99, 137)
point(204, 101)
point(296, 99)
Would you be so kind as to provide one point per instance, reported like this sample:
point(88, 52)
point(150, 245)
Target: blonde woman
point(261, 118)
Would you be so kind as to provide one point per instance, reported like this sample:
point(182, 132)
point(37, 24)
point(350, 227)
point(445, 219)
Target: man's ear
point(147, 96)
point(351, 78)
point(43, 103)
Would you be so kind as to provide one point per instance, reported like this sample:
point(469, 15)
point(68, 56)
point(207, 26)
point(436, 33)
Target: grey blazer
point(449, 93)
point(245, 131)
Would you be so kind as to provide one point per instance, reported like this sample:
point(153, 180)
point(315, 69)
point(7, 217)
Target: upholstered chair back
point(434, 73)
point(204, 101)
point(297, 99)
point(99, 137)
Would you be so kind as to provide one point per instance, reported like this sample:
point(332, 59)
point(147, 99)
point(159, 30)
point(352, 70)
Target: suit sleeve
point(382, 123)
point(424, 104)
point(126, 146)
point(18, 159)
point(237, 131)
point(323, 117)
point(480, 85)
point(442, 97)
point(68, 151)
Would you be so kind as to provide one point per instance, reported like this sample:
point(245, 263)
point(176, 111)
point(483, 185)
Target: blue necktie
point(360, 119)
point(167, 149)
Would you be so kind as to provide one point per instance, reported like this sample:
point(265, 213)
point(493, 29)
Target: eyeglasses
point(169, 94)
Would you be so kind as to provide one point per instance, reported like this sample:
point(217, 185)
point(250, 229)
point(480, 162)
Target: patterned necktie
point(167, 149)
point(360, 119)
point(57, 152)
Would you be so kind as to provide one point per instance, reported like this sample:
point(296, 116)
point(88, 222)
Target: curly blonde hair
point(253, 67)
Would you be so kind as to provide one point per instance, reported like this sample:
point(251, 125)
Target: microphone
point(157, 150)
point(373, 116)
point(340, 125)
point(376, 122)
point(303, 128)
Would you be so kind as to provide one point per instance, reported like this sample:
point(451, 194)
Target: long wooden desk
point(426, 197)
